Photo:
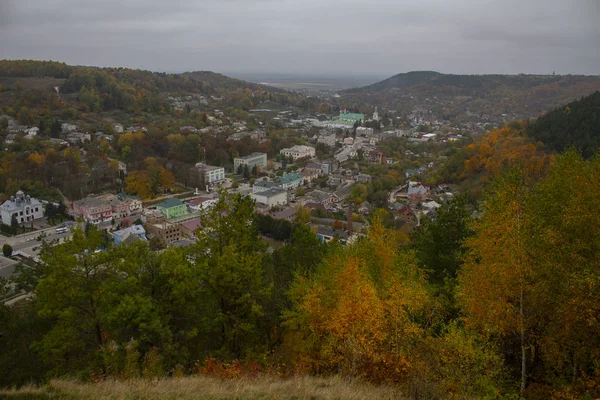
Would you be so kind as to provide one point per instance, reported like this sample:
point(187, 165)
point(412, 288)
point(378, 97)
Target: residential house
point(66, 128)
point(172, 208)
point(189, 228)
point(314, 167)
point(326, 235)
point(343, 192)
point(198, 204)
point(258, 159)
point(298, 151)
point(23, 207)
point(271, 198)
point(364, 208)
point(78, 137)
point(417, 192)
point(330, 166)
point(130, 234)
point(376, 157)
point(118, 128)
point(407, 215)
point(309, 175)
point(363, 178)
point(349, 141)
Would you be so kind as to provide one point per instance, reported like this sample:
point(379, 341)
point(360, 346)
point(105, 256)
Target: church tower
point(375, 115)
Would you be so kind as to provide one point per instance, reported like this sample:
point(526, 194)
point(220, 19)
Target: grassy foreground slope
point(206, 388)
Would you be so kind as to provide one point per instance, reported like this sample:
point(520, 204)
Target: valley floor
point(188, 388)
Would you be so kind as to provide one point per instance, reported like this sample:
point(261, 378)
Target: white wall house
point(23, 207)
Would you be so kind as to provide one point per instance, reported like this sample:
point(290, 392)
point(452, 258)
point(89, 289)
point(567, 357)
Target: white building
point(211, 173)
point(363, 131)
point(271, 197)
point(65, 127)
point(258, 159)
point(298, 151)
point(23, 207)
point(118, 128)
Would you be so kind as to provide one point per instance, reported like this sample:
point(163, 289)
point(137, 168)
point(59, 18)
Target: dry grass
point(189, 388)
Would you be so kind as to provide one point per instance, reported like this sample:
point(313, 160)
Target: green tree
point(230, 257)
point(7, 250)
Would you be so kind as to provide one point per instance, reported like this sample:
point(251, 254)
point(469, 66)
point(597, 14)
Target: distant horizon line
point(328, 74)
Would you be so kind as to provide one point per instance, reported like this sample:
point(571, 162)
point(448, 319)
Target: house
point(78, 137)
point(298, 151)
point(431, 205)
point(289, 214)
point(309, 175)
point(93, 210)
point(364, 208)
point(326, 235)
point(291, 181)
point(189, 228)
point(314, 167)
point(211, 174)
point(417, 191)
point(363, 178)
point(407, 215)
point(32, 132)
point(258, 159)
point(172, 208)
point(271, 198)
point(198, 204)
point(376, 157)
point(118, 128)
point(343, 192)
point(319, 197)
point(330, 166)
point(66, 128)
point(22, 207)
point(349, 141)
point(127, 235)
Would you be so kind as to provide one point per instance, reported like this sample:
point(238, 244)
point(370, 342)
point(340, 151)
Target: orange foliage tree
point(359, 313)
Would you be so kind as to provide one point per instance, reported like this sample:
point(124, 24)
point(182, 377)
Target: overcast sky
point(375, 37)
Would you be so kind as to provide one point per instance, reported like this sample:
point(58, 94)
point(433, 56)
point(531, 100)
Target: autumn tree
point(496, 280)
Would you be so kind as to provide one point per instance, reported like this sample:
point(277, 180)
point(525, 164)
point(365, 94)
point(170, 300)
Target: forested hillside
point(456, 97)
point(576, 124)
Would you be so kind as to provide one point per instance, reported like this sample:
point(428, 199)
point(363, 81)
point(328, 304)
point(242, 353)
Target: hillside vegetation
point(454, 96)
point(576, 124)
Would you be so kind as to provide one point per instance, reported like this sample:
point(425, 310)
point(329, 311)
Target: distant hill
point(576, 124)
point(94, 89)
point(470, 82)
point(494, 98)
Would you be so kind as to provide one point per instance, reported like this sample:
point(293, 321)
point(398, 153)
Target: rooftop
point(172, 202)
point(253, 155)
point(290, 178)
point(271, 192)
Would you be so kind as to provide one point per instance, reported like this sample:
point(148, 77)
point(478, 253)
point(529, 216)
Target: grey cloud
point(309, 36)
